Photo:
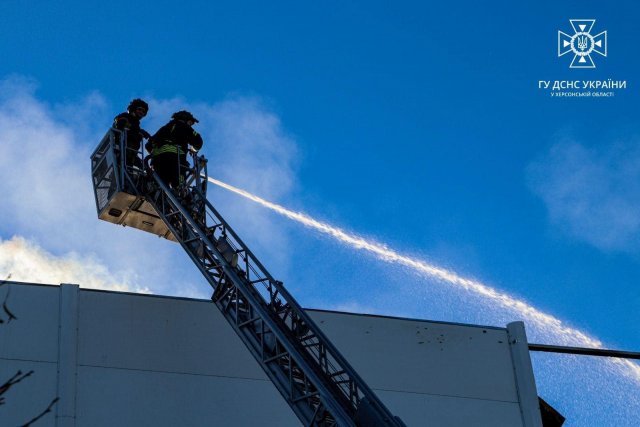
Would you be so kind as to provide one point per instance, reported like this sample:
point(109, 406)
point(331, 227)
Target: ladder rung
point(276, 357)
point(306, 396)
point(307, 338)
point(335, 374)
point(310, 344)
point(250, 321)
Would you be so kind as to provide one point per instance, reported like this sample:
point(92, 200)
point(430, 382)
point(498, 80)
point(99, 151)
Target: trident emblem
point(582, 43)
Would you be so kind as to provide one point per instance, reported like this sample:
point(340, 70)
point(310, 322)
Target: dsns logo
point(582, 43)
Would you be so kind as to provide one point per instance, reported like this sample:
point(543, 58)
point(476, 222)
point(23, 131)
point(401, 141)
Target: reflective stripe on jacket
point(175, 137)
point(167, 148)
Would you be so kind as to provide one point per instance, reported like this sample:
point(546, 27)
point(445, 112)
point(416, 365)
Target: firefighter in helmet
point(169, 147)
point(129, 121)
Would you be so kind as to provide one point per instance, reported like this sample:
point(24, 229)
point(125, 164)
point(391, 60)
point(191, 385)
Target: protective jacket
point(169, 151)
point(175, 137)
point(130, 123)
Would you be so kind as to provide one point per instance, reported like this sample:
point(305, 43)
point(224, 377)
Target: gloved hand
point(145, 134)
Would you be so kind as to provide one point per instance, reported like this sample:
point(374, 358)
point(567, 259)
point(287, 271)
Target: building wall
point(118, 359)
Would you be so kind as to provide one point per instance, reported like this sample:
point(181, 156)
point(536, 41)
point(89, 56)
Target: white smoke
point(26, 262)
point(592, 194)
point(46, 182)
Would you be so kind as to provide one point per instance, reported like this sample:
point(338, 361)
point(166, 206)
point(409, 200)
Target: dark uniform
point(129, 121)
point(169, 148)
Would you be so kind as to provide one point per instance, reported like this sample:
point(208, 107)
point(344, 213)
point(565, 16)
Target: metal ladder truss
point(310, 373)
point(314, 378)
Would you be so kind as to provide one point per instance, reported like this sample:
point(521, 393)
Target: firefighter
point(169, 147)
point(129, 121)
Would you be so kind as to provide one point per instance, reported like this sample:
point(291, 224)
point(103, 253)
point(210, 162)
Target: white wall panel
point(34, 335)
point(27, 399)
point(161, 334)
point(417, 409)
point(424, 357)
point(110, 397)
point(147, 360)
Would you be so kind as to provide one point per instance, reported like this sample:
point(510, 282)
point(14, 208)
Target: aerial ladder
point(313, 377)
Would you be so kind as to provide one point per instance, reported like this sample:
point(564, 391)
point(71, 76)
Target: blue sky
point(418, 125)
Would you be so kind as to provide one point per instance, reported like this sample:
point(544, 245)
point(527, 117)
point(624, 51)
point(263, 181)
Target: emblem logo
point(582, 43)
